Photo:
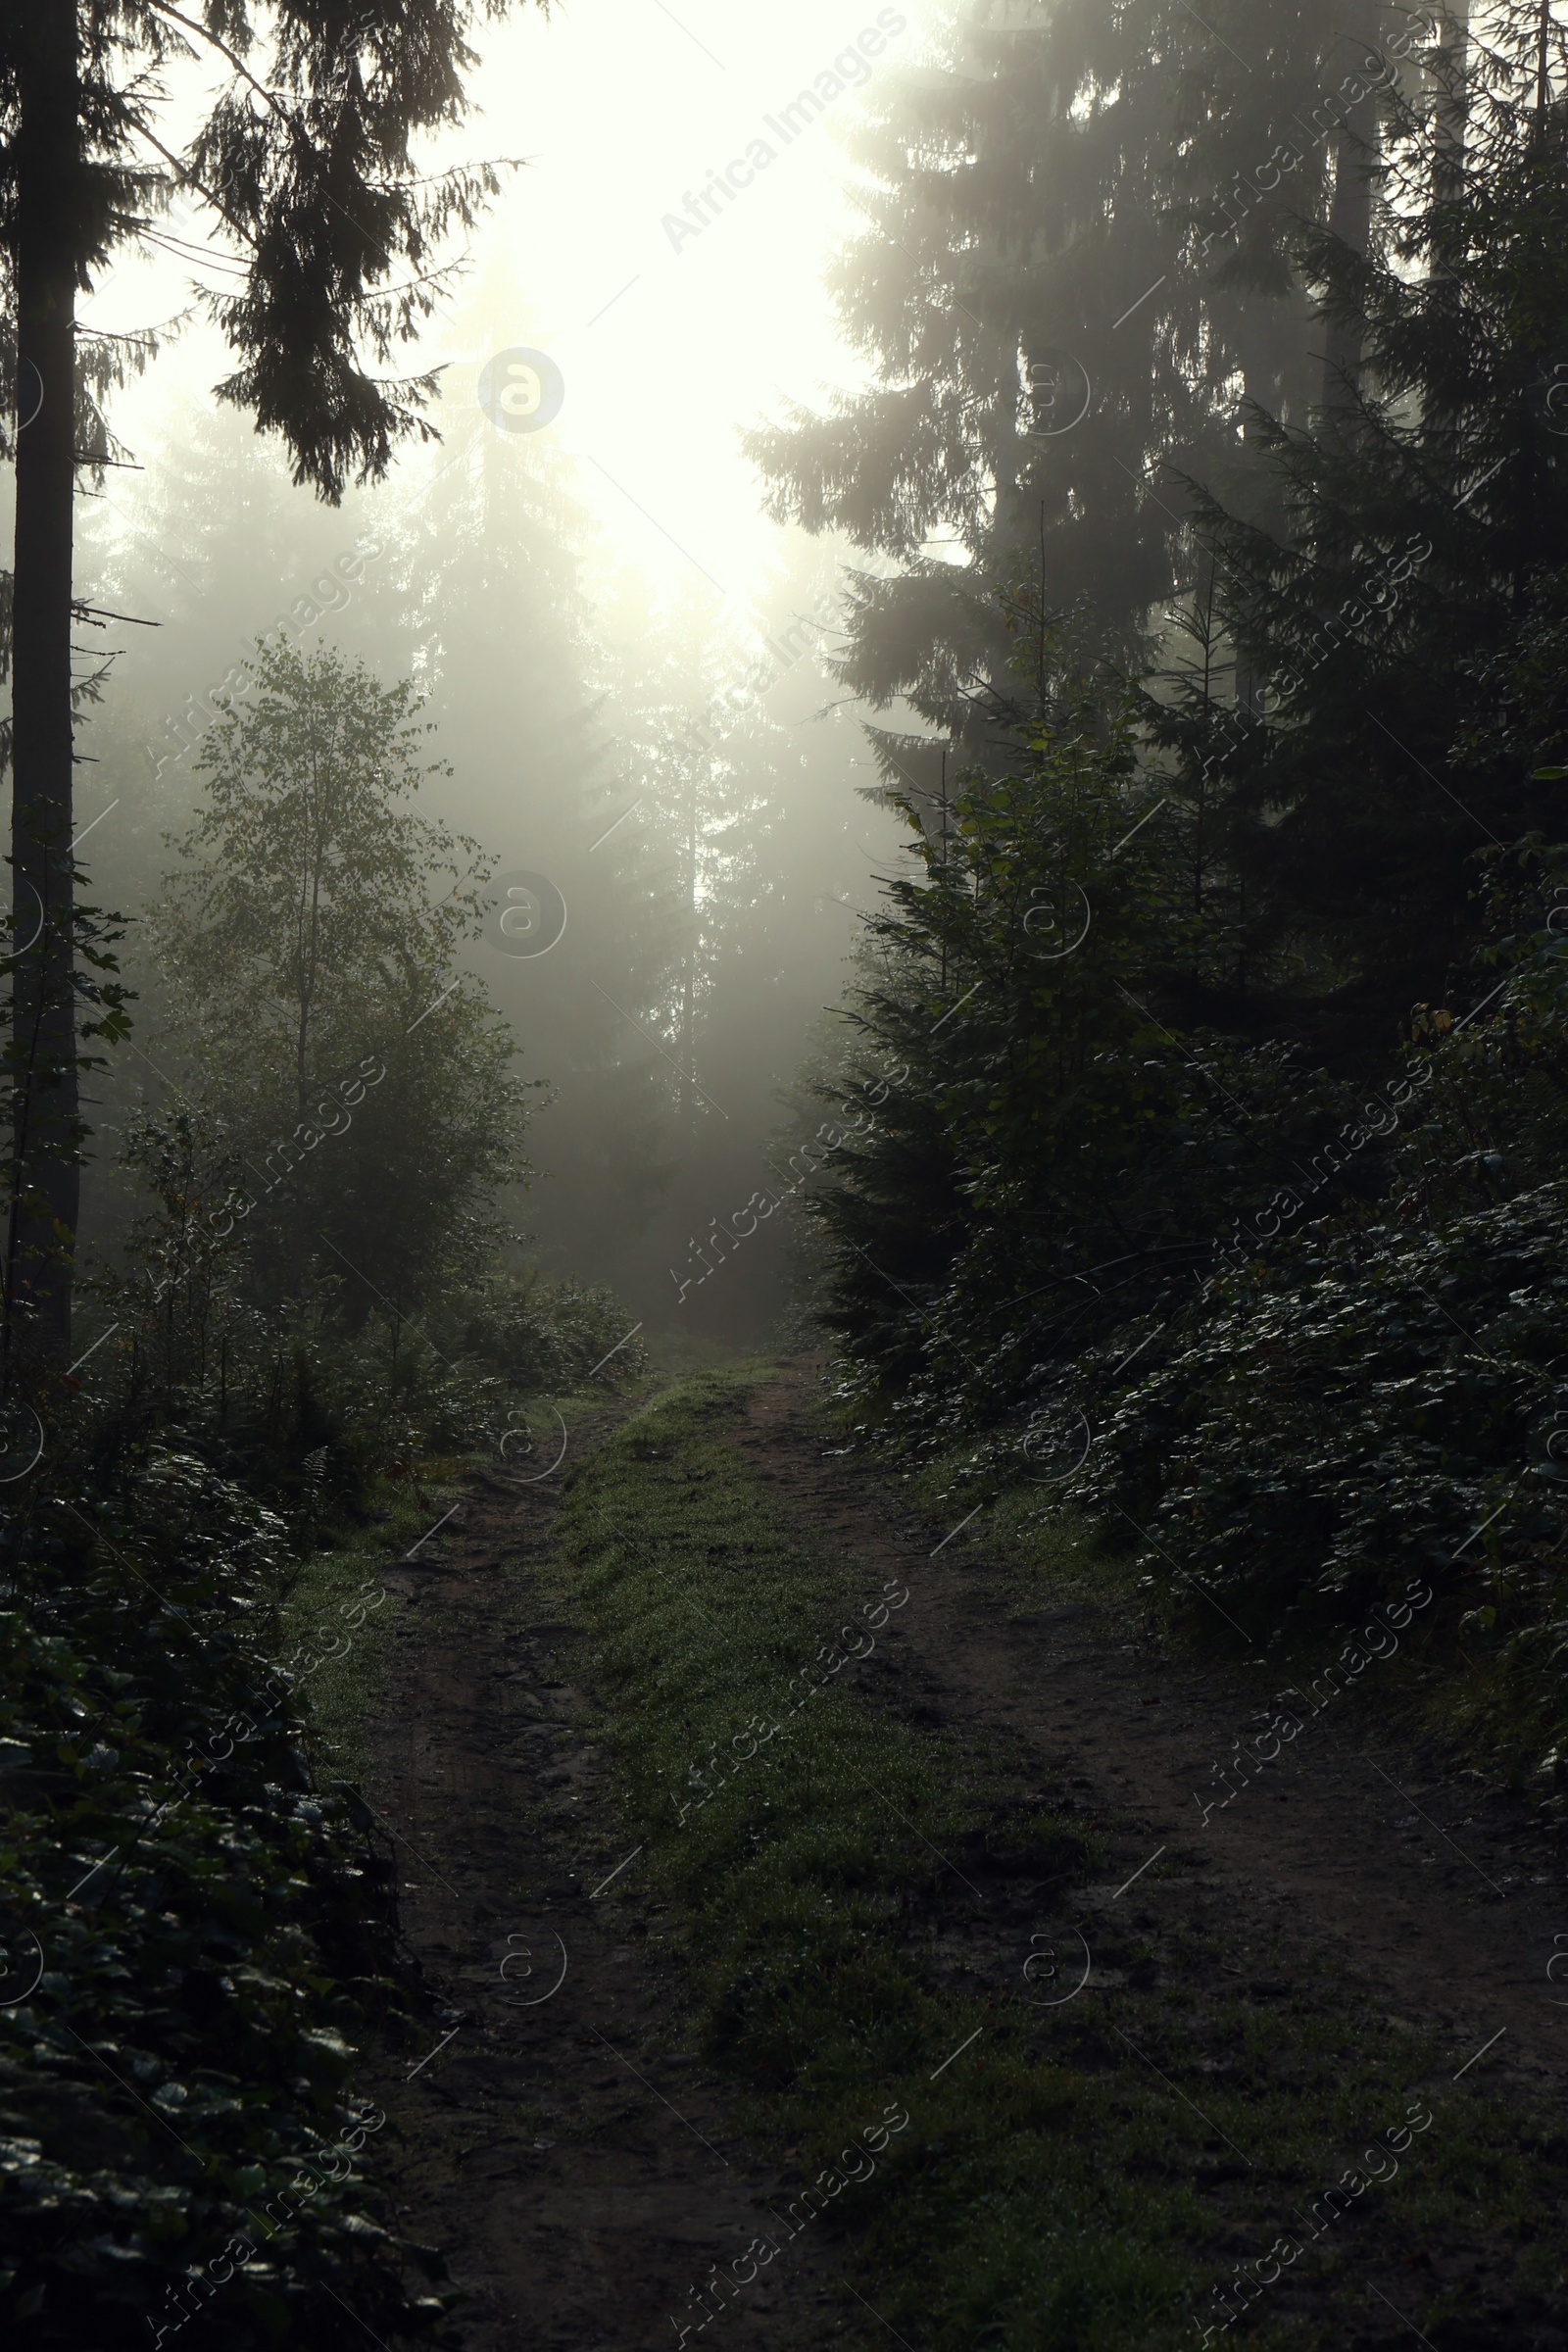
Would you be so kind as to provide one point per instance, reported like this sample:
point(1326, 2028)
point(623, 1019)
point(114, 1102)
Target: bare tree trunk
point(1356, 156)
point(1248, 687)
point(1452, 114)
point(1350, 220)
point(46, 1176)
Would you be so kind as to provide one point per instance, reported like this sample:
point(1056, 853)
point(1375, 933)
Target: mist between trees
point(850, 70)
point(328, 593)
point(1250, 667)
point(678, 797)
point(1114, 811)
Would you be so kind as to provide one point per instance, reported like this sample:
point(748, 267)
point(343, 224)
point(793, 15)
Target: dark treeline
point(1200, 1154)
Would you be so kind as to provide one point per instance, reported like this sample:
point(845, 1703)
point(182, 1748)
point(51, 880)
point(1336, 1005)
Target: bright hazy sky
point(622, 108)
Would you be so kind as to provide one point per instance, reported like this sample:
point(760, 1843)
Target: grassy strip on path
point(1077, 2171)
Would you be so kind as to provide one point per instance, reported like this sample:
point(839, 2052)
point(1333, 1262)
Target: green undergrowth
point(1476, 1704)
point(195, 1941)
point(197, 1938)
point(335, 1614)
point(876, 1918)
point(1046, 1555)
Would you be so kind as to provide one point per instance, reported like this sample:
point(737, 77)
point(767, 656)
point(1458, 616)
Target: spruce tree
point(1422, 520)
point(1078, 260)
point(1058, 1152)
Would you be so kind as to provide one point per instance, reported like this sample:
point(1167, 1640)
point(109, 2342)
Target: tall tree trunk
point(1451, 116)
point(1453, 97)
point(1350, 220)
point(1256, 381)
point(46, 1176)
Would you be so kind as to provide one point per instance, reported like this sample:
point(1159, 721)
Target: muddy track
point(579, 2171)
point(1443, 1895)
point(574, 2167)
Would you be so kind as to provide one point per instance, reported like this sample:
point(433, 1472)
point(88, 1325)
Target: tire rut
point(1445, 1897)
point(582, 2172)
point(579, 2172)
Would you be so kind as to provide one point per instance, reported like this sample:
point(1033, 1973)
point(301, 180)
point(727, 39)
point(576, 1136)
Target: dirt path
point(1443, 1894)
point(578, 2171)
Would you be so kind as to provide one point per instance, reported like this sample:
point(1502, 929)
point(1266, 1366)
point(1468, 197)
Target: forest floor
point(1189, 2026)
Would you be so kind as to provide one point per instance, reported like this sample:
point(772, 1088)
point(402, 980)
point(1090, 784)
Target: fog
point(623, 657)
point(796, 1372)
